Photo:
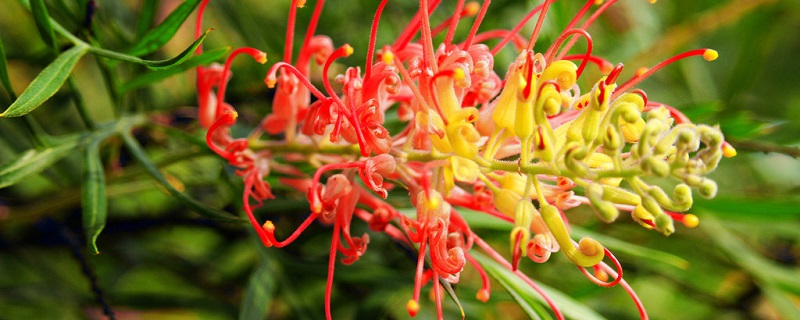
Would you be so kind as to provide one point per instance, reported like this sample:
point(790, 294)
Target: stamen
point(227, 119)
point(198, 26)
point(257, 55)
point(271, 80)
point(588, 23)
point(331, 265)
point(539, 22)
point(269, 227)
point(485, 291)
point(688, 220)
point(453, 23)
point(515, 32)
point(427, 38)
point(413, 305)
point(549, 55)
point(470, 10)
point(476, 24)
point(707, 54)
point(604, 65)
point(287, 48)
point(412, 28)
point(312, 27)
point(604, 283)
point(372, 38)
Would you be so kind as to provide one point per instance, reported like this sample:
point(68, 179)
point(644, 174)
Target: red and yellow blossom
point(524, 146)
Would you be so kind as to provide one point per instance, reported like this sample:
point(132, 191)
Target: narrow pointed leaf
point(258, 297)
point(449, 288)
point(146, 17)
point(94, 201)
point(47, 83)
point(160, 35)
point(42, 18)
point(138, 153)
point(33, 161)
point(156, 76)
point(4, 73)
point(529, 298)
point(153, 64)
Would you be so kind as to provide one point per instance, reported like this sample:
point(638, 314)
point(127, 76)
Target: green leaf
point(160, 35)
point(153, 64)
point(772, 209)
point(42, 18)
point(767, 272)
point(47, 83)
point(153, 77)
point(258, 297)
point(138, 153)
point(146, 17)
point(4, 73)
point(94, 201)
point(33, 161)
point(528, 298)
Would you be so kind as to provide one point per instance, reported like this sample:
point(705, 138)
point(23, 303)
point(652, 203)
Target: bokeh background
point(160, 260)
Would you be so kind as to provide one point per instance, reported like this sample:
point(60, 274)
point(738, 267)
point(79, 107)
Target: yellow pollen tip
point(261, 58)
point(387, 57)
point(301, 3)
point(710, 55)
point(268, 226)
point(690, 221)
point(641, 71)
point(471, 9)
point(458, 74)
point(234, 114)
point(728, 150)
point(482, 295)
point(348, 50)
point(653, 1)
point(271, 81)
point(598, 2)
point(412, 307)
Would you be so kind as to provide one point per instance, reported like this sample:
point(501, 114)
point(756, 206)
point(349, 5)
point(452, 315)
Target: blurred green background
point(159, 260)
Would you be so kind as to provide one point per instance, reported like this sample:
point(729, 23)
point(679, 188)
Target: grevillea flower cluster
point(524, 146)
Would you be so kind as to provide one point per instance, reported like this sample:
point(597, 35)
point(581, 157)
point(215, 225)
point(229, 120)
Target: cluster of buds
point(524, 148)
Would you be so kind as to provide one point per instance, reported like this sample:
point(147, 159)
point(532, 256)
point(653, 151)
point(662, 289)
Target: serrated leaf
point(153, 77)
point(42, 18)
point(4, 73)
point(529, 298)
point(33, 161)
point(47, 83)
point(138, 153)
point(93, 200)
point(153, 64)
point(160, 35)
point(258, 297)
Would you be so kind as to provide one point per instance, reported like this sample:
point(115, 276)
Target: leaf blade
point(47, 83)
point(160, 35)
point(4, 79)
point(258, 297)
point(140, 156)
point(33, 161)
point(93, 197)
point(158, 75)
point(42, 19)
